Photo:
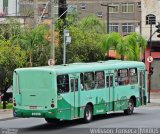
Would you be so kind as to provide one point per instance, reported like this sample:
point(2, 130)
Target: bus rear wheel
point(130, 108)
point(88, 114)
point(52, 121)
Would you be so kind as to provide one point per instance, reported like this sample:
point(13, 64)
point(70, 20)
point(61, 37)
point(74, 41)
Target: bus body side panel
point(64, 106)
point(121, 97)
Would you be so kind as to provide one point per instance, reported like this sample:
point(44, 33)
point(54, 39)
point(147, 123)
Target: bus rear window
point(62, 83)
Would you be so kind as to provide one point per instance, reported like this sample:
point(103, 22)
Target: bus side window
point(89, 82)
point(82, 81)
point(116, 77)
point(123, 78)
point(74, 85)
point(109, 81)
point(99, 79)
point(62, 83)
point(133, 76)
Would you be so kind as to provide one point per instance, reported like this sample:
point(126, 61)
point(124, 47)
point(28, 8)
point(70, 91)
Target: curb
point(9, 118)
point(5, 110)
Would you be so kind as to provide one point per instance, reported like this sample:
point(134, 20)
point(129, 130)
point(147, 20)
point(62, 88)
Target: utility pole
point(35, 12)
point(149, 75)
point(53, 19)
point(108, 6)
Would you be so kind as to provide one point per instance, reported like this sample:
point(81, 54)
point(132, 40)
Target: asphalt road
point(143, 117)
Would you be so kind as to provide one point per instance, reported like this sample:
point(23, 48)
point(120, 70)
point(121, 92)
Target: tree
point(111, 41)
point(137, 45)
point(10, 29)
point(92, 24)
point(86, 36)
point(11, 57)
point(33, 40)
point(126, 46)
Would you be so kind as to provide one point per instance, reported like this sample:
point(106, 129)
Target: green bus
point(79, 90)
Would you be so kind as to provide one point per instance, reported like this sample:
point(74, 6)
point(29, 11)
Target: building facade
point(151, 14)
point(124, 15)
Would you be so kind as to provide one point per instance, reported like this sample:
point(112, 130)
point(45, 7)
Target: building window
point(127, 28)
point(114, 9)
point(83, 6)
point(150, 19)
point(72, 9)
point(139, 4)
point(26, 8)
point(127, 8)
point(113, 27)
point(99, 14)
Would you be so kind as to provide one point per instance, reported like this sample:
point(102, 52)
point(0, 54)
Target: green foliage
point(11, 57)
point(18, 45)
point(92, 24)
point(34, 42)
point(10, 29)
point(137, 45)
point(86, 37)
point(129, 46)
point(9, 106)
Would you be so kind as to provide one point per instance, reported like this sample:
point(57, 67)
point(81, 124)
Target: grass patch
point(8, 106)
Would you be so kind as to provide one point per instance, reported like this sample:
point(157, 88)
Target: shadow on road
point(63, 125)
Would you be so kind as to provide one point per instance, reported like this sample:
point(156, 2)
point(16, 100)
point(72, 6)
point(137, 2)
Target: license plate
point(36, 114)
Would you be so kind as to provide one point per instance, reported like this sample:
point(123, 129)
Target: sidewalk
point(154, 101)
point(6, 114)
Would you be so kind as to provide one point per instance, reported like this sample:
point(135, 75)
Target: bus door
point(142, 86)
point(74, 97)
point(110, 91)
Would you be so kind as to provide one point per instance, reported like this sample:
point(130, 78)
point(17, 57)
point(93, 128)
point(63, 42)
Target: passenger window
point(82, 81)
point(116, 77)
point(99, 80)
point(109, 81)
point(62, 83)
point(89, 82)
point(133, 79)
point(74, 85)
point(122, 77)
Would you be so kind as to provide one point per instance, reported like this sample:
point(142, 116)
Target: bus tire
point(52, 121)
point(88, 114)
point(130, 108)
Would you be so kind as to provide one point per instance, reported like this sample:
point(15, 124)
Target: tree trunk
point(4, 99)
point(122, 57)
point(107, 54)
point(30, 59)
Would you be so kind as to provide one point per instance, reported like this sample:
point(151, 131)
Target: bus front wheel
point(130, 108)
point(88, 114)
